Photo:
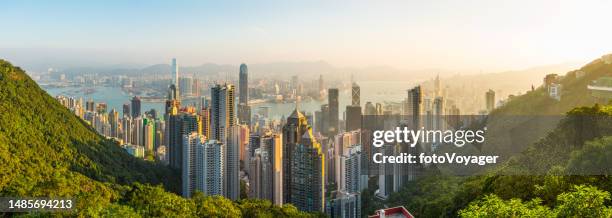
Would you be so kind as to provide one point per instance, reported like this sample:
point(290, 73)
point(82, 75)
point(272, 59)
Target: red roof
point(394, 212)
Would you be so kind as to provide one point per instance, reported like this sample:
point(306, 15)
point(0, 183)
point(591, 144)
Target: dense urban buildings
point(316, 160)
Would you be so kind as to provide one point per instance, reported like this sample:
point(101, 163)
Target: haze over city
point(467, 36)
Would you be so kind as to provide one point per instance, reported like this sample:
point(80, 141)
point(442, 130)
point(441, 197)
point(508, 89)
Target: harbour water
point(373, 91)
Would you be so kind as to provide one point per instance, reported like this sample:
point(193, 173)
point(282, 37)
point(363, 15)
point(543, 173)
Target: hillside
point(556, 156)
point(526, 118)
point(572, 160)
point(45, 150)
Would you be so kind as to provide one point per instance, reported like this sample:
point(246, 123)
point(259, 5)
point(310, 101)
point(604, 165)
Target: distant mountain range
point(308, 70)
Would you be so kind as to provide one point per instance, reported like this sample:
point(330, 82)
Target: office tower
point(222, 115)
point(113, 120)
point(254, 143)
point(244, 142)
point(308, 174)
point(126, 110)
point(149, 135)
point(135, 106)
point(385, 173)
point(490, 99)
point(205, 116)
point(318, 123)
point(261, 175)
point(189, 167)
point(356, 94)
point(414, 106)
point(232, 164)
point(177, 126)
point(333, 111)
point(244, 114)
point(293, 130)
point(438, 110)
point(272, 144)
point(137, 131)
point(210, 161)
point(351, 173)
point(186, 86)
point(175, 73)
point(353, 117)
point(126, 124)
point(345, 205)
point(244, 110)
point(324, 124)
point(243, 84)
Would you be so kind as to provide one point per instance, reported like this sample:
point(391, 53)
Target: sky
point(470, 34)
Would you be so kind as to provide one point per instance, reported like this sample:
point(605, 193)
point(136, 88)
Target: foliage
point(582, 201)
point(45, 150)
point(493, 206)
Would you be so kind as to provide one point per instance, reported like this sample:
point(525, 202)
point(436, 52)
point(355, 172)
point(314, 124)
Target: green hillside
point(557, 160)
point(45, 150)
point(527, 118)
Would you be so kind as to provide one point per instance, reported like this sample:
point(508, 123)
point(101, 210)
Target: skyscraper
point(243, 84)
point(333, 111)
point(414, 106)
point(353, 117)
point(232, 164)
point(189, 166)
point(356, 94)
point(113, 120)
point(293, 130)
point(149, 135)
point(490, 99)
point(244, 110)
point(126, 124)
point(270, 161)
point(222, 115)
point(261, 175)
point(345, 204)
point(186, 86)
point(211, 168)
point(177, 126)
point(135, 107)
point(439, 110)
point(437, 87)
point(126, 110)
point(308, 174)
point(175, 73)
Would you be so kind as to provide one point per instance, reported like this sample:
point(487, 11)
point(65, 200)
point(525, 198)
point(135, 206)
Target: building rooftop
point(394, 212)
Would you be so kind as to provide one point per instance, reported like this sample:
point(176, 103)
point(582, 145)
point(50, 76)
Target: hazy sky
point(486, 35)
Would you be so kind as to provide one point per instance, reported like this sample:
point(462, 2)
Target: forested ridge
point(45, 150)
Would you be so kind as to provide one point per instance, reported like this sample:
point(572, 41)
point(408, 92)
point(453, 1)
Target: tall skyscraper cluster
point(205, 143)
point(219, 144)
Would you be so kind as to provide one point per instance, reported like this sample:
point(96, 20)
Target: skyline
point(474, 35)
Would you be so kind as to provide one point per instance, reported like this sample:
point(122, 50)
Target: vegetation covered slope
point(572, 161)
point(556, 151)
point(45, 150)
point(42, 143)
point(526, 118)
